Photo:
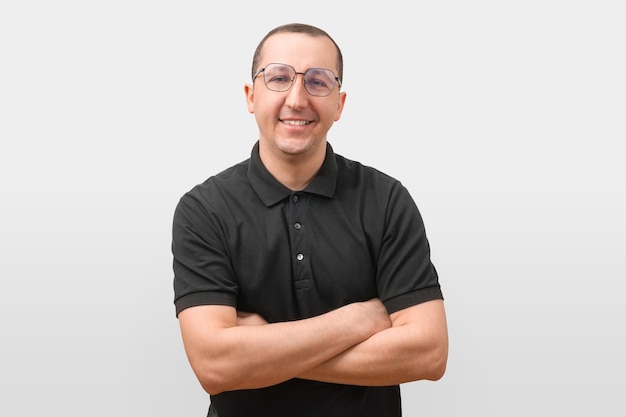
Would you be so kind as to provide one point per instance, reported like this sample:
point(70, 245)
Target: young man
point(303, 280)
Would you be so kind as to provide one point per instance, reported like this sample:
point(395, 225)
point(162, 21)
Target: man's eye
point(316, 82)
point(279, 79)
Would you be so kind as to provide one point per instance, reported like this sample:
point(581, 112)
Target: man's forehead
point(299, 49)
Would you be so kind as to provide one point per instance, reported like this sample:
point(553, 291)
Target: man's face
point(293, 122)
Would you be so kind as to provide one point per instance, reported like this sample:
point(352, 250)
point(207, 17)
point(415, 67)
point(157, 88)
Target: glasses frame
point(262, 71)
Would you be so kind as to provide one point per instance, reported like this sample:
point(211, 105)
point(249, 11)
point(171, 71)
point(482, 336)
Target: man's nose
point(297, 95)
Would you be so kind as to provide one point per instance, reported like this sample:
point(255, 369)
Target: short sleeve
point(202, 269)
point(406, 275)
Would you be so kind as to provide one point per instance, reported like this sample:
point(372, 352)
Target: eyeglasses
point(318, 82)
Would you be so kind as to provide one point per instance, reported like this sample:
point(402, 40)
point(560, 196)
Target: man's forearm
point(413, 349)
point(260, 356)
point(234, 357)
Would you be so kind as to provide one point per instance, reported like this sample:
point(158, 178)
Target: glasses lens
point(278, 77)
point(319, 81)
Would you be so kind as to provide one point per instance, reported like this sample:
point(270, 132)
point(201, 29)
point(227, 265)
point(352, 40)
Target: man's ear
point(248, 90)
point(340, 104)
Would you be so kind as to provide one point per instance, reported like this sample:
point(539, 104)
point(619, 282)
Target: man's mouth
point(296, 122)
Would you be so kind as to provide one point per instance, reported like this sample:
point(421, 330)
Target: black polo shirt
point(243, 239)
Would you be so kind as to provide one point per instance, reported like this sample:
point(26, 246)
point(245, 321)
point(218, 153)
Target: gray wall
point(504, 119)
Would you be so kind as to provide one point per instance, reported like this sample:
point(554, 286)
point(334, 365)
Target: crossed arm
point(357, 344)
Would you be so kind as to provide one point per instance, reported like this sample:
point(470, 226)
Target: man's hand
point(373, 312)
point(373, 315)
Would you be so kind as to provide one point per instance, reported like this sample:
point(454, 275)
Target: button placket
point(301, 267)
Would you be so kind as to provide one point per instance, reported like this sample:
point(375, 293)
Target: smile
point(296, 122)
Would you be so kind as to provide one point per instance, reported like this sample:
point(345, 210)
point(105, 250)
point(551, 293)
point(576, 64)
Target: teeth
point(296, 122)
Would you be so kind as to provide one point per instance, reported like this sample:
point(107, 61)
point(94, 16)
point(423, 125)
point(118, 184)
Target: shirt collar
point(271, 191)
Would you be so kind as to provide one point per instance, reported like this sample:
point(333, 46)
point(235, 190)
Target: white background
point(505, 119)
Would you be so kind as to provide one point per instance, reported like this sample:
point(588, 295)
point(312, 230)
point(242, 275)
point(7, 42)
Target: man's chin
point(295, 147)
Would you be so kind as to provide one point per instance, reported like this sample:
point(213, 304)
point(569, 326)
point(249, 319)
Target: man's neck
point(293, 171)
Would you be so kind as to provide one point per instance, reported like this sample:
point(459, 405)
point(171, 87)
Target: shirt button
point(298, 226)
point(300, 256)
point(295, 198)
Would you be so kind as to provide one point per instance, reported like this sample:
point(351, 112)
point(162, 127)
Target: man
point(303, 280)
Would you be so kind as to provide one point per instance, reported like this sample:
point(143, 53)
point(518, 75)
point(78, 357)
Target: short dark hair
point(297, 28)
